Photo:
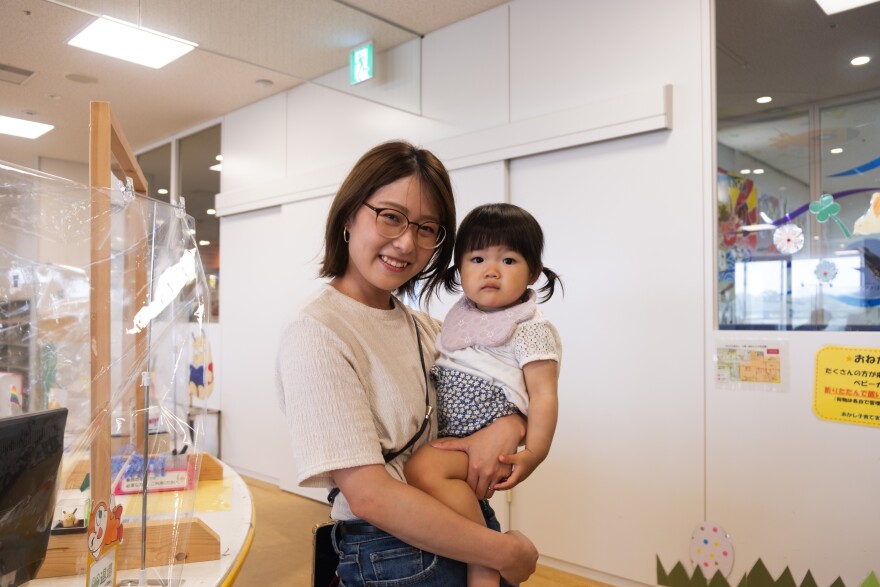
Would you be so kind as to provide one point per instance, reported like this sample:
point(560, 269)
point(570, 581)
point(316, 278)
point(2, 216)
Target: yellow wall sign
point(848, 385)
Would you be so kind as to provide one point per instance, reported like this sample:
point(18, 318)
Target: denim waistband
point(357, 528)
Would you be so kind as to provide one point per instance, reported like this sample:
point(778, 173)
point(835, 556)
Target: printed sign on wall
point(756, 365)
point(847, 387)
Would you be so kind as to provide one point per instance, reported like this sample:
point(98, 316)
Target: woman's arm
point(484, 449)
point(541, 382)
point(423, 522)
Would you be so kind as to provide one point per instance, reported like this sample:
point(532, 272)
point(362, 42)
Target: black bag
point(325, 559)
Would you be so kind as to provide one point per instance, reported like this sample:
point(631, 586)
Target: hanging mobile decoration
point(825, 271)
point(788, 239)
point(826, 208)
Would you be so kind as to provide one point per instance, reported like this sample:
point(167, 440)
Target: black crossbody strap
point(428, 410)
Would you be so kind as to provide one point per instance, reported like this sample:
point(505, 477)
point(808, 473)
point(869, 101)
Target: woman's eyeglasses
point(392, 223)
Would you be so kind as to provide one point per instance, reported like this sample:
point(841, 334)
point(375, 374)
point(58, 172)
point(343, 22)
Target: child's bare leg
point(443, 474)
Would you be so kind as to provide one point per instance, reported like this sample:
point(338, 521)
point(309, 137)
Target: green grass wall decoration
point(759, 576)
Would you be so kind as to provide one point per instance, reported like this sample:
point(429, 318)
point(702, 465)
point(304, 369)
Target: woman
point(351, 372)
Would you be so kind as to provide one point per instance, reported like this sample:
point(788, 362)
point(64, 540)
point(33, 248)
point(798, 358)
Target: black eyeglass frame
point(441, 229)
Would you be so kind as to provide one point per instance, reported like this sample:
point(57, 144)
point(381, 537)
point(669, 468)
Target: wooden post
point(100, 161)
point(109, 151)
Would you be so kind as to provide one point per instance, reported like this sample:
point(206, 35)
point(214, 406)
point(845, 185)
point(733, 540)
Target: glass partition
point(798, 176)
point(200, 165)
point(156, 166)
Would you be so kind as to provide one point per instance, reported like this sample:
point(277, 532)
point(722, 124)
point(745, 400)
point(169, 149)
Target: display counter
point(224, 506)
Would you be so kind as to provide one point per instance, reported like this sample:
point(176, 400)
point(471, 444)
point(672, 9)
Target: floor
point(281, 551)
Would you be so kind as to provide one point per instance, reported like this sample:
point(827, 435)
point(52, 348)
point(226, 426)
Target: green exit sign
point(361, 64)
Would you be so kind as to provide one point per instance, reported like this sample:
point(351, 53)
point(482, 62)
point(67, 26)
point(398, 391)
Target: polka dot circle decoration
point(711, 550)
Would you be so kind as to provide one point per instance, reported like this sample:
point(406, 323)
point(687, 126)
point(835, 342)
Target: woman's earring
point(346, 236)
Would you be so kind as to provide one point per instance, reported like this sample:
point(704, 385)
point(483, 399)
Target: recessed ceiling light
point(837, 150)
point(745, 171)
point(834, 6)
point(219, 157)
point(126, 41)
point(162, 191)
point(265, 83)
point(764, 100)
point(27, 129)
point(204, 243)
point(861, 60)
point(758, 171)
point(210, 211)
point(218, 167)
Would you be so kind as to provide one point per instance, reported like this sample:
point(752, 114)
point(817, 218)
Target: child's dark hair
point(501, 225)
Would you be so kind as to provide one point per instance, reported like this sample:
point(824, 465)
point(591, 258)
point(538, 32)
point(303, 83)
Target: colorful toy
point(10, 394)
point(105, 529)
point(869, 222)
point(201, 370)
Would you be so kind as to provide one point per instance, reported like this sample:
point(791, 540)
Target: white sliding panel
point(624, 480)
point(472, 187)
point(253, 432)
point(300, 247)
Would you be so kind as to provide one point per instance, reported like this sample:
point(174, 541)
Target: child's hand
point(524, 462)
point(483, 447)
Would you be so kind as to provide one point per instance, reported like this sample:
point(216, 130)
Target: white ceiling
point(285, 41)
point(785, 48)
point(795, 53)
point(788, 49)
point(288, 42)
point(791, 50)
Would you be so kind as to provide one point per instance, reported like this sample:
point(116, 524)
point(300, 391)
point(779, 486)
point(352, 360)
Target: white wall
point(78, 172)
point(792, 489)
point(545, 102)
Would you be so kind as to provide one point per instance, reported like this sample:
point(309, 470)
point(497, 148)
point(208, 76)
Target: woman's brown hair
point(378, 167)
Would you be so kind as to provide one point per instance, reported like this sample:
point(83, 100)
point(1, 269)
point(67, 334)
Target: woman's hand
point(423, 522)
point(484, 447)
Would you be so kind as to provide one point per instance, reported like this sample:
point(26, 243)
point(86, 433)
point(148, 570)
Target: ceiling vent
point(14, 75)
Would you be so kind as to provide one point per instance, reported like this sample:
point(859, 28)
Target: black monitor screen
point(31, 446)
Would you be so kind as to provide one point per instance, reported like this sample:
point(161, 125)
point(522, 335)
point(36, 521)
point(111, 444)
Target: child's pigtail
point(548, 288)
point(450, 280)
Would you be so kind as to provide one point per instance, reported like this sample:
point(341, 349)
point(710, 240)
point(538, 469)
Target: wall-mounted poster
point(757, 365)
point(847, 387)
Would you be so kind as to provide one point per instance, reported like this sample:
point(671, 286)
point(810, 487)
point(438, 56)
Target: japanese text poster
point(751, 365)
point(847, 387)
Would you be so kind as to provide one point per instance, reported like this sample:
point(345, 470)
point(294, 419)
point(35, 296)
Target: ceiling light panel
point(834, 6)
point(27, 129)
point(122, 40)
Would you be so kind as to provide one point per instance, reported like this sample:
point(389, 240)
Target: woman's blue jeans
point(374, 558)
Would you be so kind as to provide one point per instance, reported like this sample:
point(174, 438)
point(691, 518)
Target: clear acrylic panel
point(51, 299)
